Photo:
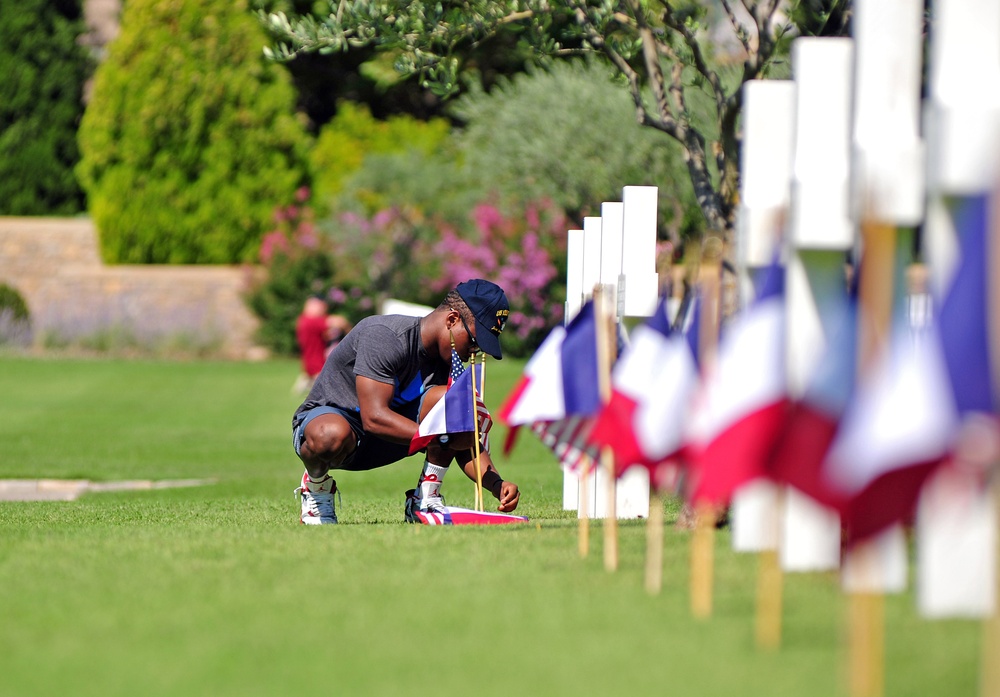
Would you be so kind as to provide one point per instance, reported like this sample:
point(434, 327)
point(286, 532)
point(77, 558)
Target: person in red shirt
point(311, 333)
point(316, 333)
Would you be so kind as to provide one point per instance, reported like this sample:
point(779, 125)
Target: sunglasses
point(472, 339)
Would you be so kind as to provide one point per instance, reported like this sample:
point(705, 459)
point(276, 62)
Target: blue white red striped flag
point(743, 400)
point(905, 420)
point(652, 385)
point(558, 395)
point(453, 413)
point(813, 420)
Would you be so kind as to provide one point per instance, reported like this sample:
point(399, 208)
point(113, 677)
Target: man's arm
point(376, 416)
point(505, 492)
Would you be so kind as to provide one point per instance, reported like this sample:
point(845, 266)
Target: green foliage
point(354, 134)
point(570, 135)
point(15, 318)
point(291, 278)
point(44, 68)
point(662, 49)
point(822, 17)
point(190, 140)
point(428, 185)
point(293, 267)
point(12, 303)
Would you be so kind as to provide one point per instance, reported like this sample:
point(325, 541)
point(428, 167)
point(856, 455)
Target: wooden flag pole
point(482, 387)
point(480, 506)
point(866, 652)
point(767, 629)
point(703, 540)
point(654, 543)
point(702, 560)
point(989, 667)
point(770, 586)
point(583, 514)
point(605, 356)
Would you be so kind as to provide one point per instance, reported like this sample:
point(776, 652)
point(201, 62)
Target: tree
point(663, 51)
point(190, 140)
point(41, 102)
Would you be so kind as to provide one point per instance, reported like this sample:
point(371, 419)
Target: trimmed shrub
point(293, 267)
point(44, 69)
point(570, 135)
point(346, 141)
point(15, 318)
point(190, 140)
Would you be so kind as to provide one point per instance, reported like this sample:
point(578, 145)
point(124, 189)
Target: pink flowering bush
point(389, 254)
point(297, 261)
point(524, 252)
point(355, 261)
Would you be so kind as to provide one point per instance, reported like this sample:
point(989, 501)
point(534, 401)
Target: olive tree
point(665, 52)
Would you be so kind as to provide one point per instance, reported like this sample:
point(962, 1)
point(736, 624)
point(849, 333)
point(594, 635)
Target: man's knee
point(328, 438)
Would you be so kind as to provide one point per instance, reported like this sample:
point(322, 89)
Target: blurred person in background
point(316, 333)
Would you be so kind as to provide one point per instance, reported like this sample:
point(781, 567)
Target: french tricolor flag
point(558, 395)
point(811, 426)
point(454, 413)
point(743, 401)
point(906, 418)
point(652, 385)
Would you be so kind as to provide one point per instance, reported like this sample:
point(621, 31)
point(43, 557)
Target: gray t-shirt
point(385, 348)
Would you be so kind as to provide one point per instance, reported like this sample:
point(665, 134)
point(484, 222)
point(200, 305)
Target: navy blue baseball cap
point(489, 306)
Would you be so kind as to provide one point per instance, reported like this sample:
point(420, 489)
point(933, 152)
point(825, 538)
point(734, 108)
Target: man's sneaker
point(317, 502)
point(429, 504)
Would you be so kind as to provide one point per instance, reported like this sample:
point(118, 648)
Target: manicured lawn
point(219, 591)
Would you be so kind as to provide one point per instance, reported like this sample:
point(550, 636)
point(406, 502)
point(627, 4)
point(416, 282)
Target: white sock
point(430, 480)
point(316, 484)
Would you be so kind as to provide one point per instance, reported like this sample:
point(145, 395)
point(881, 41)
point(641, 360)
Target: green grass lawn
point(219, 591)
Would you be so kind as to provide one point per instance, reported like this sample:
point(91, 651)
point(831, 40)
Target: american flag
point(485, 420)
point(457, 367)
point(558, 395)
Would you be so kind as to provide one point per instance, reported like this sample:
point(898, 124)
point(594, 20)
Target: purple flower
point(336, 296)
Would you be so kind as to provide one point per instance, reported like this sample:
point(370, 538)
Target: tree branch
point(741, 32)
point(663, 120)
point(697, 55)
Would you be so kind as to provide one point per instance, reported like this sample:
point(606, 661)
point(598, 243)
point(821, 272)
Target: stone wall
point(55, 265)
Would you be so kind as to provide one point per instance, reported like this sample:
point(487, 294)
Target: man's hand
point(508, 495)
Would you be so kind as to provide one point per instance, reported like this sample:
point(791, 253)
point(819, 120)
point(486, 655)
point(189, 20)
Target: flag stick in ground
point(482, 397)
point(605, 357)
point(767, 630)
point(702, 560)
point(482, 374)
point(583, 515)
point(866, 649)
point(867, 642)
point(770, 586)
point(703, 540)
point(989, 667)
point(654, 544)
point(989, 680)
point(480, 506)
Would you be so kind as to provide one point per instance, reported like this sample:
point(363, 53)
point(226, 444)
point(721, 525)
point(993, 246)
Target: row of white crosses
point(837, 146)
point(616, 250)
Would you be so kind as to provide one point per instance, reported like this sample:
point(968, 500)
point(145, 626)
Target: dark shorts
point(371, 452)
